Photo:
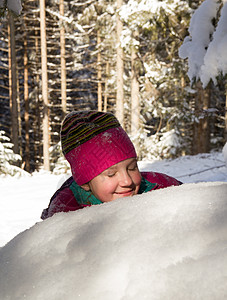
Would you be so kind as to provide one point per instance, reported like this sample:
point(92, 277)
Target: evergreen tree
point(9, 160)
point(164, 110)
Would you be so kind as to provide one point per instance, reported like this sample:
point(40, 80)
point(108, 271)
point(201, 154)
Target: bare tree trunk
point(99, 72)
point(225, 134)
point(44, 86)
point(106, 86)
point(13, 84)
point(63, 64)
point(135, 103)
point(37, 123)
point(19, 114)
point(120, 70)
point(201, 131)
point(26, 100)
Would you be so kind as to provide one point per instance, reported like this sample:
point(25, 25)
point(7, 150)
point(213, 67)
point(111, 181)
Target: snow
point(145, 7)
point(224, 151)
point(200, 30)
point(205, 47)
point(14, 5)
point(167, 244)
point(215, 60)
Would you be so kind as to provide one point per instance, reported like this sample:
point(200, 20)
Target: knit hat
point(92, 142)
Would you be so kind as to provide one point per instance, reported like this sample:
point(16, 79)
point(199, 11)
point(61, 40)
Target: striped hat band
point(79, 127)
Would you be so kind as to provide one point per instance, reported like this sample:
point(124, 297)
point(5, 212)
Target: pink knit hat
point(92, 142)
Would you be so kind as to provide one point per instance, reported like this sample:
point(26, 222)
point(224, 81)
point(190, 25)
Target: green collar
point(87, 198)
point(83, 197)
point(146, 186)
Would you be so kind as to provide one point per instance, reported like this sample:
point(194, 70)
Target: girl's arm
point(62, 201)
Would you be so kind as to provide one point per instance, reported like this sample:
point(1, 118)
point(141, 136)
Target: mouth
point(125, 193)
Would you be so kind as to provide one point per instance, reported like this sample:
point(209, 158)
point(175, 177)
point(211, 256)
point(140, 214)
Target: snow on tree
point(13, 5)
point(59, 164)
point(140, 13)
point(8, 159)
point(159, 25)
point(206, 45)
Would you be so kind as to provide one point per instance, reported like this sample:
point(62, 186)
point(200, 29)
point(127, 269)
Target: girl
point(103, 162)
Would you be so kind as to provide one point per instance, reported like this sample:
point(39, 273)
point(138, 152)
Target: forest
point(118, 56)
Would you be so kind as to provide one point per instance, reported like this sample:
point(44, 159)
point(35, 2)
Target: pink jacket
point(64, 200)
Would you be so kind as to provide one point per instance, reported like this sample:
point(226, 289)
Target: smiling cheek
point(104, 190)
point(138, 179)
point(109, 191)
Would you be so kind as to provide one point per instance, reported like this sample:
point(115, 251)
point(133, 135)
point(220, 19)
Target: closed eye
point(133, 168)
point(111, 174)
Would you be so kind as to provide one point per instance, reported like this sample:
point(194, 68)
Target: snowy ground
point(167, 244)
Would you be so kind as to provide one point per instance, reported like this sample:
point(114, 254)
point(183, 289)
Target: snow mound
point(166, 244)
point(224, 151)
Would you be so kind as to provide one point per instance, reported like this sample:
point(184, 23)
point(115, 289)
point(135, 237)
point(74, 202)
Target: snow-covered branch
point(205, 47)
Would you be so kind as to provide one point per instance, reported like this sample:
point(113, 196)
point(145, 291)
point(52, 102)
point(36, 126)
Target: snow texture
point(166, 244)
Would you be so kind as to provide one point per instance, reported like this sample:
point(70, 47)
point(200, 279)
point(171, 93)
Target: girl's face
point(121, 180)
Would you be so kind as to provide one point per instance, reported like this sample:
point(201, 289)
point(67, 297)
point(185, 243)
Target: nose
point(125, 179)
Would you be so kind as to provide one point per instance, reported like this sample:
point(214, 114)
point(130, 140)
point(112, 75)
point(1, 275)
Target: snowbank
point(22, 201)
point(224, 151)
point(167, 244)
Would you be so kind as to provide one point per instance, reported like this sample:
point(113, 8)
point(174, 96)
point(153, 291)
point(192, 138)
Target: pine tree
point(9, 160)
point(160, 70)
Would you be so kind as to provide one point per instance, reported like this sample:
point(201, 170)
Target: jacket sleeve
point(161, 179)
point(62, 201)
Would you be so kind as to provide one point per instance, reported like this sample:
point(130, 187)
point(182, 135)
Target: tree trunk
point(201, 132)
point(120, 70)
point(106, 86)
point(99, 72)
point(19, 114)
point(37, 120)
point(63, 64)
point(135, 103)
point(13, 84)
point(225, 134)
point(44, 86)
point(26, 101)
